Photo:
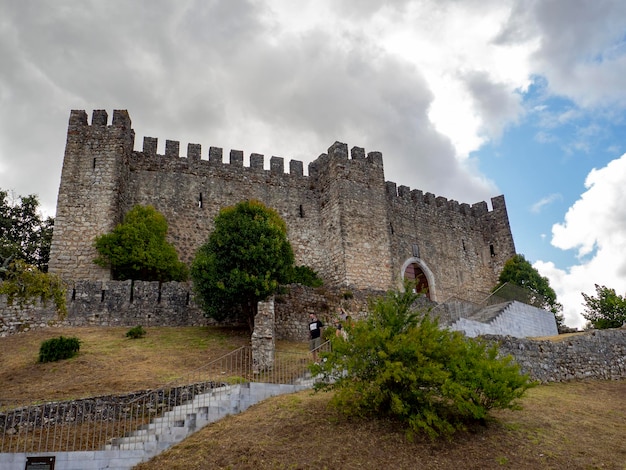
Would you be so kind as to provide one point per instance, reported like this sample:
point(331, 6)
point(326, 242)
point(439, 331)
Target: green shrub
point(56, 349)
point(136, 332)
point(27, 284)
point(305, 276)
point(398, 363)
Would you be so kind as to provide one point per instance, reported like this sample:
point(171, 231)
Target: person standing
point(315, 334)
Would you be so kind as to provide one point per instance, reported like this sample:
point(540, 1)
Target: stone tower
point(95, 169)
point(354, 216)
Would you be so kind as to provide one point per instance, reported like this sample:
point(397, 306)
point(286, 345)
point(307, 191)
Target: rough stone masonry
point(344, 220)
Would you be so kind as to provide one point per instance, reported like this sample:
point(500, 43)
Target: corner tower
point(354, 217)
point(93, 184)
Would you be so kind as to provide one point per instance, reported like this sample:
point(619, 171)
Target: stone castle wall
point(343, 219)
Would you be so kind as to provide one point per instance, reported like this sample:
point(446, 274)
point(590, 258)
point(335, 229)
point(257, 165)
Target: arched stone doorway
point(414, 270)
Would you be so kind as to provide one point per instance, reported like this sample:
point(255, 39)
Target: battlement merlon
point(477, 209)
point(338, 152)
point(99, 117)
point(194, 153)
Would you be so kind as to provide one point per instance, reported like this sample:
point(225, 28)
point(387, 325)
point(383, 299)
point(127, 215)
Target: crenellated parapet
point(419, 198)
point(99, 117)
point(215, 157)
point(339, 156)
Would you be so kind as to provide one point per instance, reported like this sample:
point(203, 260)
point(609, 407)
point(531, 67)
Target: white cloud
point(582, 53)
point(595, 226)
point(539, 205)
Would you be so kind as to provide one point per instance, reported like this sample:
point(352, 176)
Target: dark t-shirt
point(315, 328)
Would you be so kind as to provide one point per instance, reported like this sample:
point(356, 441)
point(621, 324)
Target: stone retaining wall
point(131, 303)
point(110, 303)
point(599, 354)
point(103, 408)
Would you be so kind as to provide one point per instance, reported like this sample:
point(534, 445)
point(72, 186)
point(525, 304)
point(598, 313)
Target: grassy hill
point(579, 425)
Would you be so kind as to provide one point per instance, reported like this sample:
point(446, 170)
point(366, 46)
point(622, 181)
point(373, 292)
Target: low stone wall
point(598, 354)
point(111, 303)
point(103, 408)
point(130, 303)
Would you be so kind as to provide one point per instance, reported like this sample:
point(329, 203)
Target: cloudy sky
point(467, 99)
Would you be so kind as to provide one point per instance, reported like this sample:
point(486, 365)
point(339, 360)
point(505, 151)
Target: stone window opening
point(159, 294)
point(301, 211)
point(463, 243)
point(492, 251)
point(132, 290)
point(102, 295)
point(391, 228)
point(187, 299)
point(200, 202)
point(94, 163)
point(73, 294)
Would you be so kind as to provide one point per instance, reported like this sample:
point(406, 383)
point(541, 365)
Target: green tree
point(24, 233)
point(398, 363)
point(27, 284)
point(606, 310)
point(245, 259)
point(535, 288)
point(137, 249)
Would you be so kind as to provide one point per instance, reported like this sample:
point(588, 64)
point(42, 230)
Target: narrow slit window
point(73, 294)
point(200, 202)
point(132, 291)
point(102, 295)
point(301, 211)
point(492, 251)
point(94, 163)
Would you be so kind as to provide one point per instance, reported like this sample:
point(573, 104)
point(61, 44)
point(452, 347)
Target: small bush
point(305, 276)
point(136, 332)
point(56, 349)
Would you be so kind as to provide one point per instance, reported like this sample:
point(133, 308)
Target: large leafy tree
point(606, 310)
point(398, 363)
point(245, 259)
point(24, 233)
point(532, 287)
point(137, 248)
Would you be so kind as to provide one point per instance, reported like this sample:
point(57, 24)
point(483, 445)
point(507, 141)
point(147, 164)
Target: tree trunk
point(252, 308)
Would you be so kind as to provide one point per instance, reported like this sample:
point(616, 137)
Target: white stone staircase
point(182, 420)
point(511, 318)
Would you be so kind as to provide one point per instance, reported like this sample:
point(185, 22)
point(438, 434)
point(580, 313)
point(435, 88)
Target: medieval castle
point(344, 220)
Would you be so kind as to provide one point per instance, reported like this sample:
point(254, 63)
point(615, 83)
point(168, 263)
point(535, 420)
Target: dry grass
point(108, 362)
point(562, 426)
point(579, 425)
